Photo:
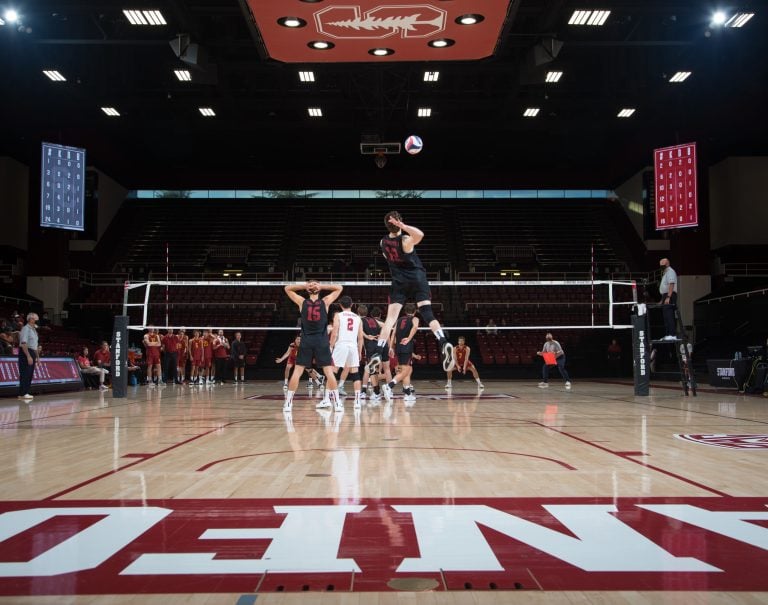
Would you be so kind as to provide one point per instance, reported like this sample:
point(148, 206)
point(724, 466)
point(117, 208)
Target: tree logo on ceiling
point(350, 22)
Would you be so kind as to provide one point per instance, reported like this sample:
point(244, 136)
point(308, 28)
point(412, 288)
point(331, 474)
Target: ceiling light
point(626, 112)
point(441, 43)
point(142, 17)
point(110, 111)
point(307, 76)
point(424, 112)
point(589, 17)
point(739, 20)
point(54, 75)
point(472, 19)
point(718, 18)
point(381, 52)
point(183, 75)
point(320, 45)
point(11, 16)
point(431, 76)
point(554, 76)
point(531, 112)
point(291, 22)
point(315, 112)
point(680, 76)
point(207, 112)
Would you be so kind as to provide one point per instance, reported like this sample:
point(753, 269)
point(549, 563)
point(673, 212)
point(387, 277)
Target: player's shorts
point(470, 365)
point(409, 286)
point(238, 363)
point(346, 354)
point(404, 353)
point(197, 359)
point(182, 360)
point(153, 356)
point(314, 346)
point(206, 362)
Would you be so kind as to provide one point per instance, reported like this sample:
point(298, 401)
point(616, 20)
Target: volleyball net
point(483, 306)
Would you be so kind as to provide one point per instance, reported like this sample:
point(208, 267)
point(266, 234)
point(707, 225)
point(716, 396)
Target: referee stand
point(683, 351)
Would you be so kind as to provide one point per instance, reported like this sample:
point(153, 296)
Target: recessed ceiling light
point(626, 112)
point(110, 111)
point(424, 112)
point(471, 19)
point(291, 22)
point(307, 76)
point(431, 76)
point(381, 52)
point(207, 112)
point(183, 75)
point(144, 17)
point(441, 43)
point(321, 45)
point(680, 76)
point(589, 17)
point(739, 20)
point(531, 112)
point(554, 76)
point(315, 112)
point(54, 75)
point(11, 16)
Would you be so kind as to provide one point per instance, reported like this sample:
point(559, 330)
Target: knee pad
point(426, 314)
point(354, 376)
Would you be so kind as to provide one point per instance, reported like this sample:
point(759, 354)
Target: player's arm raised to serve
point(415, 235)
point(292, 290)
point(335, 292)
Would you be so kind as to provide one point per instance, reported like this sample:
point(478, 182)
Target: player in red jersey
point(220, 354)
point(152, 346)
point(461, 352)
point(290, 356)
point(207, 365)
point(182, 348)
point(196, 354)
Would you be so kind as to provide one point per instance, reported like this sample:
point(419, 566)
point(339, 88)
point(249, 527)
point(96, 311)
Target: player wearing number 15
point(409, 281)
point(314, 336)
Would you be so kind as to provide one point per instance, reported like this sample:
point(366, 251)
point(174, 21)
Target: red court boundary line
point(565, 465)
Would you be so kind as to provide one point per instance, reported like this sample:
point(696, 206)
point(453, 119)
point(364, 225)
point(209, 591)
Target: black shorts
point(238, 363)
point(372, 346)
point(404, 353)
point(411, 286)
point(315, 346)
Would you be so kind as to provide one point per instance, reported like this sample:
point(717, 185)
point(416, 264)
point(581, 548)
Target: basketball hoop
point(380, 159)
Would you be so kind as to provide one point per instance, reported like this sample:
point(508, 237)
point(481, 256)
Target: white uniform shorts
point(346, 354)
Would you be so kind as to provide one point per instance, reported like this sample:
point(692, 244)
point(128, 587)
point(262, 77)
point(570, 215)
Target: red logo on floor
point(731, 442)
point(202, 546)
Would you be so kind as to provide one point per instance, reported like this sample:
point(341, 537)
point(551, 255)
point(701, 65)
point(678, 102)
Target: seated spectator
point(134, 369)
point(45, 321)
point(491, 327)
point(102, 358)
point(88, 370)
point(6, 341)
point(17, 321)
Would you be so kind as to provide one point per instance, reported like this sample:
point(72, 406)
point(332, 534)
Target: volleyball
point(413, 144)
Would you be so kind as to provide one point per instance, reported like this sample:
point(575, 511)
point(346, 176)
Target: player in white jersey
point(347, 343)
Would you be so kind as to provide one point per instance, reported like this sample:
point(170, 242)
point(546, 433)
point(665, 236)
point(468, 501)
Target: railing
point(196, 305)
point(760, 292)
point(746, 269)
point(98, 279)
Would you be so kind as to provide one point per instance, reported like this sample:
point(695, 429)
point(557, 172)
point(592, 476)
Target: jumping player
point(347, 343)
point(152, 346)
point(314, 338)
point(290, 360)
point(409, 280)
point(463, 363)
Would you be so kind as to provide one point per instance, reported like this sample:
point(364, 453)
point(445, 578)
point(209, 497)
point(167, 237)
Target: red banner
point(48, 370)
point(676, 193)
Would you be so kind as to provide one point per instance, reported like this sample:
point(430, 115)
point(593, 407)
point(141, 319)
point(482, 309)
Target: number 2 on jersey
point(350, 324)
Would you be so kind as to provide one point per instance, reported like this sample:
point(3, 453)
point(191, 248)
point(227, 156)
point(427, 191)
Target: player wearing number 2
point(347, 343)
point(314, 337)
point(409, 280)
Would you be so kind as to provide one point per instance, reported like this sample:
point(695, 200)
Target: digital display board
point(677, 203)
point(48, 370)
point(62, 187)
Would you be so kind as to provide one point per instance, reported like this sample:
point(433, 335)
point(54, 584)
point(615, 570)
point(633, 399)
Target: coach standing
point(668, 291)
point(28, 351)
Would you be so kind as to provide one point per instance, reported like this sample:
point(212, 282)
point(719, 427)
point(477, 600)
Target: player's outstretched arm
point(414, 233)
